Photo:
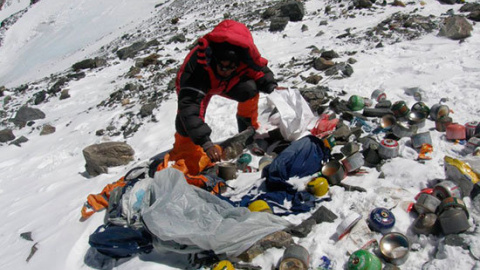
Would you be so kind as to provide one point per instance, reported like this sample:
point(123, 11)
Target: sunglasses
point(227, 67)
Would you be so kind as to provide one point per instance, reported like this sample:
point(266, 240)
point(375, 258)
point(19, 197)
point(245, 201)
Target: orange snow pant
point(249, 109)
point(193, 156)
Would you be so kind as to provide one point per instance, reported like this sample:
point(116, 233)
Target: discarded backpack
point(120, 242)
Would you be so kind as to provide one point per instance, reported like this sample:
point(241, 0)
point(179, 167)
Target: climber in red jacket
point(225, 62)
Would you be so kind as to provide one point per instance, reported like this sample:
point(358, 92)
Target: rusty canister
point(426, 203)
point(438, 111)
point(446, 189)
point(420, 109)
point(425, 224)
point(472, 128)
point(388, 121)
point(421, 138)
point(334, 172)
point(388, 149)
point(295, 257)
point(453, 220)
point(442, 123)
point(353, 162)
point(400, 109)
point(455, 132)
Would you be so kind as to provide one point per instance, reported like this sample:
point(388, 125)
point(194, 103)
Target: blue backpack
point(120, 242)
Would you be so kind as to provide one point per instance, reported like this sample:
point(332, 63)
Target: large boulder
point(26, 114)
point(99, 157)
point(292, 9)
point(456, 27)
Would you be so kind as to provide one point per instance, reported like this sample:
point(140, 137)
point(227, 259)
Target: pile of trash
point(153, 208)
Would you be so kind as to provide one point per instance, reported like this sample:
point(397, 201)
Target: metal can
point(452, 202)
point(400, 109)
point(347, 224)
point(420, 109)
point(381, 220)
point(227, 170)
point(442, 123)
point(388, 149)
point(394, 248)
point(363, 260)
point(446, 189)
point(453, 221)
point(353, 162)
point(426, 203)
point(295, 257)
point(264, 161)
point(473, 143)
point(318, 186)
point(455, 132)
point(378, 95)
point(438, 111)
point(402, 130)
point(334, 172)
point(420, 138)
point(472, 128)
point(425, 224)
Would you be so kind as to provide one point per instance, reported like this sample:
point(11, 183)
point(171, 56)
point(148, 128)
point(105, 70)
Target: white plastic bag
point(187, 219)
point(295, 114)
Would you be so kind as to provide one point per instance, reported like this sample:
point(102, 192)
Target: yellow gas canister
point(259, 206)
point(318, 186)
point(223, 265)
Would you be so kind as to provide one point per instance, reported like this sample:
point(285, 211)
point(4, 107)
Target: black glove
point(270, 87)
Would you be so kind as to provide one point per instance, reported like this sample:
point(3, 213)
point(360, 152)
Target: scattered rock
point(278, 24)
point(89, 64)
point(6, 135)
point(292, 9)
point(19, 141)
point(322, 64)
point(27, 236)
point(26, 114)
point(474, 16)
point(313, 79)
point(132, 50)
point(64, 94)
point(47, 129)
point(456, 27)
point(99, 157)
point(280, 239)
point(39, 97)
point(180, 38)
point(147, 109)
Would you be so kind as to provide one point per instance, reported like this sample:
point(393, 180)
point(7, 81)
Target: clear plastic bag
point(187, 219)
point(295, 114)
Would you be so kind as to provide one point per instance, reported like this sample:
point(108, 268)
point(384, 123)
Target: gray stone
point(26, 114)
point(456, 27)
point(474, 16)
point(89, 63)
point(39, 97)
point(313, 79)
point(64, 94)
point(280, 239)
point(278, 24)
point(303, 229)
point(20, 140)
point(329, 55)
point(322, 64)
point(99, 157)
point(47, 129)
point(294, 10)
point(132, 50)
point(147, 109)
point(323, 214)
point(6, 135)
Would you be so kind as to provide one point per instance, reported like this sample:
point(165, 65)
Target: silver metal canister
point(425, 224)
point(404, 130)
point(426, 203)
point(353, 162)
point(378, 95)
point(421, 138)
point(388, 149)
point(446, 189)
point(334, 172)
